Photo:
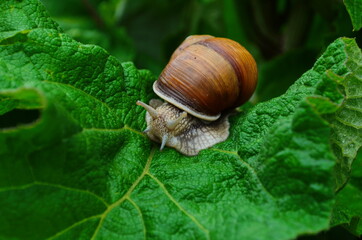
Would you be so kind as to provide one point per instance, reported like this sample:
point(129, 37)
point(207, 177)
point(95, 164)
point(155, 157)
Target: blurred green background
point(285, 36)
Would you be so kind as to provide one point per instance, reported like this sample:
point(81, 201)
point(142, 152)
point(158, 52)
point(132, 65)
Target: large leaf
point(82, 169)
point(347, 120)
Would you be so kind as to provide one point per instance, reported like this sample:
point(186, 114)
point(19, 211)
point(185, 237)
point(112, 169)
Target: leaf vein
point(357, 109)
point(125, 127)
point(80, 90)
point(23, 187)
point(348, 124)
point(73, 225)
point(178, 205)
point(126, 195)
point(141, 215)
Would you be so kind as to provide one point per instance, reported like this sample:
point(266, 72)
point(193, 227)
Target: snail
point(205, 79)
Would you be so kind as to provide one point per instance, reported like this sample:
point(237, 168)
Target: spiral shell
point(207, 75)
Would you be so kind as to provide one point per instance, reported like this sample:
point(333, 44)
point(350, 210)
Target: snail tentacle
point(147, 130)
point(164, 141)
point(148, 108)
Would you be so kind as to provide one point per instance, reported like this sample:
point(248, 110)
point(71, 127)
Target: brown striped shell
point(207, 75)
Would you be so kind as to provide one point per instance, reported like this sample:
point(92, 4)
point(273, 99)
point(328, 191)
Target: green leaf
point(84, 170)
point(354, 8)
point(82, 22)
point(347, 121)
point(348, 207)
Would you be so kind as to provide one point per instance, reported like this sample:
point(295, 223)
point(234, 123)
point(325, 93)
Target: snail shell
point(205, 77)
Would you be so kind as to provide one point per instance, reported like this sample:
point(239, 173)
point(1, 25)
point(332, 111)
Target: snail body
point(205, 78)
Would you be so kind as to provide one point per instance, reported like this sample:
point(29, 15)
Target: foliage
point(354, 8)
point(74, 163)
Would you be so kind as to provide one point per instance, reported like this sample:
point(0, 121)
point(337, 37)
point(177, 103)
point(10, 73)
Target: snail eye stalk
point(148, 108)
